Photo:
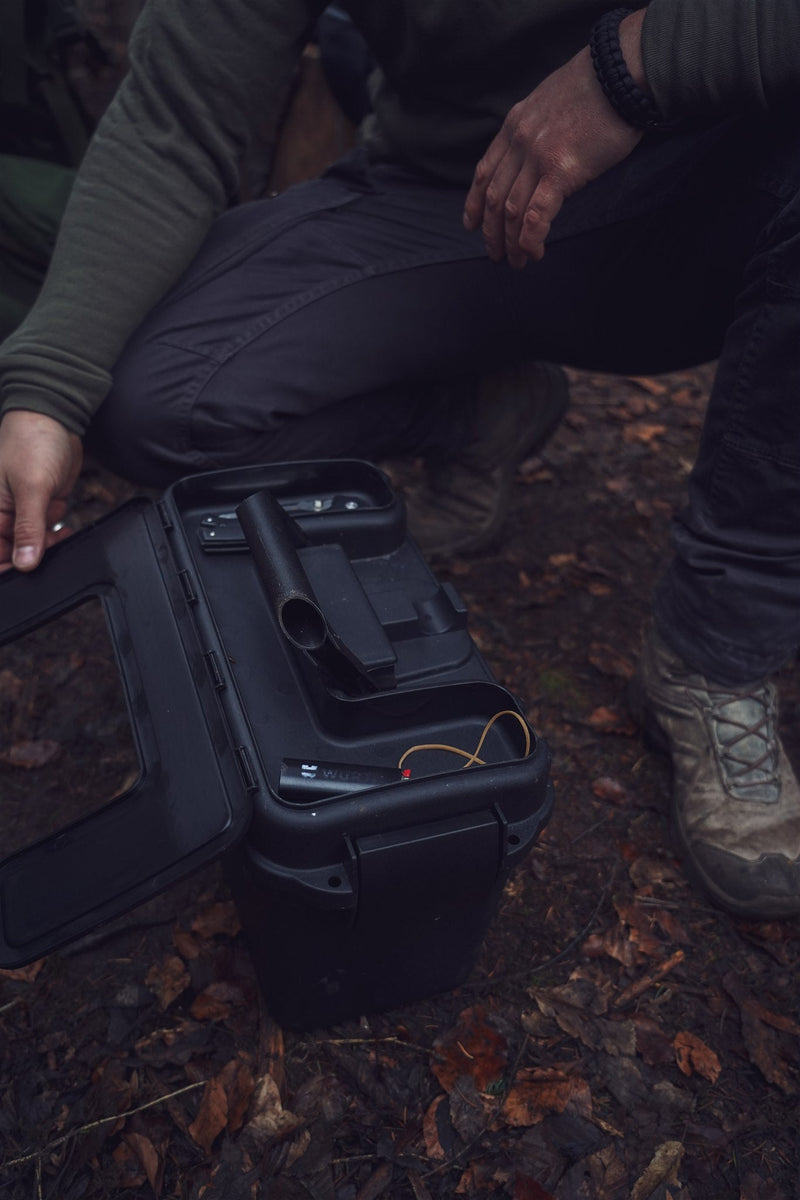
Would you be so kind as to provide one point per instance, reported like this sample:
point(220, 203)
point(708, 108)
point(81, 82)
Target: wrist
point(616, 51)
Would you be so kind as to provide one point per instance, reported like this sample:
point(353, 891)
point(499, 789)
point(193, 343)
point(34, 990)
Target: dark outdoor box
point(282, 644)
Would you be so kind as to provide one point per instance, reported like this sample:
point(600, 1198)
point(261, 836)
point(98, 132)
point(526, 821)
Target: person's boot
point(463, 502)
point(735, 799)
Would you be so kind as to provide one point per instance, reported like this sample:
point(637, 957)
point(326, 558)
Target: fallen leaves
point(168, 979)
point(473, 1047)
point(541, 1090)
point(30, 755)
point(26, 974)
point(770, 1038)
point(610, 790)
point(610, 661)
point(644, 432)
point(662, 1168)
point(611, 720)
point(693, 1055)
point(225, 1101)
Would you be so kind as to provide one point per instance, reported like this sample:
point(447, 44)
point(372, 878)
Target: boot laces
point(744, 725)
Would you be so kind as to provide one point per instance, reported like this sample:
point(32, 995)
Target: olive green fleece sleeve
point(718, 57)
point(162, 164)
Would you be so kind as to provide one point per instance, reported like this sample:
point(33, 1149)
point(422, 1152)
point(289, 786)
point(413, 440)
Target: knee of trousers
point(142, 431)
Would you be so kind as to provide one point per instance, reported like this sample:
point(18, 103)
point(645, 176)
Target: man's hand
point(561, 136)
point(39, 463)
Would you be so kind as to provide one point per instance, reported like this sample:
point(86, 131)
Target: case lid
point(151, 835)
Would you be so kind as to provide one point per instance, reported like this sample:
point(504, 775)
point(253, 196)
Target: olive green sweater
point(164, 161)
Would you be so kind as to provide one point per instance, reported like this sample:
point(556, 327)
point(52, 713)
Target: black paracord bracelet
point(632, 104)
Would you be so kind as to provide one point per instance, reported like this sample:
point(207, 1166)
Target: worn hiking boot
point(735, 800)
point(462, 504)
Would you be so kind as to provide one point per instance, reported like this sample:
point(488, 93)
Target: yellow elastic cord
point(472, 759)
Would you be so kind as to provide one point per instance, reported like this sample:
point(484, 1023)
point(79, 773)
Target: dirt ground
point(618, 1037)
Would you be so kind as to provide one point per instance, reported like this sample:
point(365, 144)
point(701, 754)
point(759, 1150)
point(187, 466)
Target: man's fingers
point(516, 207)
point(542, 210)
point(30, 525)
point(499, 208)
point(475, 203)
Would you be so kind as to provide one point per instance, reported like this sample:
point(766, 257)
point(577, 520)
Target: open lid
point(190, 802)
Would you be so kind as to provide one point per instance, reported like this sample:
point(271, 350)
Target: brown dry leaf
point(129, 1165)
point(776, 1020)
point(562, 560)
point(609, 1173)
point(215, 1002)
point(237, 1079)
point(430, 1131)
point(168, 979)
point(653, 387)
point(610, 790)
point(31, 755)
point(187, 945)
point(476, 1179)
point(418, 1187)
point(268, 1117)
point(95, 489)
point(578, 1009)
point(652, 1043)
point(609, 661)
point(663, 1168)
point(615, 943)
point(212, 1115)
point(472, 1047)
point(527, 1188)
point(692, 1054)
point(643, 432)
point(377, 1183)
point(640, 922)
point(618, 485)
point(149, 1157)
point(221, 917)
point(651, 872)
point(24, 974)
point(528, 1102)
point(762, 1041)
point(611, 720)
point(670, 925)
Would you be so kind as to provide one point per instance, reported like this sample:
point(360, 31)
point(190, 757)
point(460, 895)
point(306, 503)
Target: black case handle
point(273, 537)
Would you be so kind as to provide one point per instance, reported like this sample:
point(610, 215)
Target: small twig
point(375, 1041)
point(641, 985)
point(91, 941)
point(585, 832)
point(37, 1154)
point(11, 1003)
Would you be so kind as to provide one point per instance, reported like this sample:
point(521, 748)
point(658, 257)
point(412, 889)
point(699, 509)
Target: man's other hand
point(39, 463)
point(561, 136)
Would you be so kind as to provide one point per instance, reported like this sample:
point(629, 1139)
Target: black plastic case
point(282, 643)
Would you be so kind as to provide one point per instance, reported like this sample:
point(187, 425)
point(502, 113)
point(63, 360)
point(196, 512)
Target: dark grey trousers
point(319, 323)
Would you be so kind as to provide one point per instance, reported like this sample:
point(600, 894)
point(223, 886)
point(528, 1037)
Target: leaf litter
point(618, 1037)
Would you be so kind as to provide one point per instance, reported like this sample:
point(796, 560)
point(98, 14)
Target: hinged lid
point(151, 835)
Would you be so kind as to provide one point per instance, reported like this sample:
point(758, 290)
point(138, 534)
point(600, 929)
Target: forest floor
point(618, 1035)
